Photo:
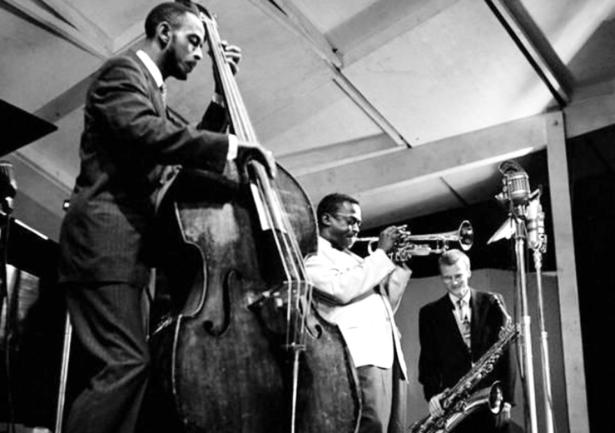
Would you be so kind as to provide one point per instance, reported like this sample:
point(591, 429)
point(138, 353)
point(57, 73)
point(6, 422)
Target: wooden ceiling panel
point(401, 202)
point(476, 184)
point(37, 65)
point(600, 45)
point(338, 122)
point(567, 24)
point(287, 88)
point(328, 15)
point(114, 16)
point(446, 77)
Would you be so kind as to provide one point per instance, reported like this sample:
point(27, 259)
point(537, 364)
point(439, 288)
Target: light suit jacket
point(360, 295)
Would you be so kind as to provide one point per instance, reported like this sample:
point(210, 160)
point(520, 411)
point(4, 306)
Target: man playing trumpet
point(360, 296)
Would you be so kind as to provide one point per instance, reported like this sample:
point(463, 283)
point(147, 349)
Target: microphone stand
point(68, 334)
point(11, 303)
point(66, 347)
point(526, 336)
point(539, 249)
point(7, 208)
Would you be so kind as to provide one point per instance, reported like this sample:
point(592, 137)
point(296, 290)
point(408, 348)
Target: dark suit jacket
point(445, 358)
point(127, 137)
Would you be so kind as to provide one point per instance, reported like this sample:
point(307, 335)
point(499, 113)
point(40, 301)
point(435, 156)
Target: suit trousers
point(383, 393)
point(108, 322)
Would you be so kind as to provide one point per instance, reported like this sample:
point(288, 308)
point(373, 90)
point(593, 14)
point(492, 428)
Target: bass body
point(221, 359)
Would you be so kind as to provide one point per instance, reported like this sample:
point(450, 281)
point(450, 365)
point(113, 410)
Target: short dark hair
point(331, 203)
point(171, 12)
point(452, 256)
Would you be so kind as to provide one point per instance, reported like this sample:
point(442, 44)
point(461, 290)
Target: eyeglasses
point(350, 220)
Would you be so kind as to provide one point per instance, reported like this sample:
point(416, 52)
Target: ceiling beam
point(535, 47)
point(368, 108)
point(66, 102)
point(69, 33)
point(74, 97)
point(286, 13)
point(129, 38)
point(79, 20)
point(316, 159)
point(439, 158)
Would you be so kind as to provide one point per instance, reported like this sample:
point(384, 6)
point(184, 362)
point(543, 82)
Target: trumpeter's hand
point(387, 238)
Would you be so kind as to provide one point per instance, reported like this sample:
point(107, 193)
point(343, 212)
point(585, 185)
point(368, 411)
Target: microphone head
point(8, 184)
point(516, 183)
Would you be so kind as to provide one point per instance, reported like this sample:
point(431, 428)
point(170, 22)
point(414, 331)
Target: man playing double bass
point(127, 137)
point(360, 295)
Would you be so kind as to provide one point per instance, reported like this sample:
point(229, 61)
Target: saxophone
point(460, 400)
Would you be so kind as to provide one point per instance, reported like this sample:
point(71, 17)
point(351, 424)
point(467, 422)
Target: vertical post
point(559, 186)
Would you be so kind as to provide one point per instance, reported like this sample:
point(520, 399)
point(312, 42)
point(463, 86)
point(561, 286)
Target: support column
point(559, 186)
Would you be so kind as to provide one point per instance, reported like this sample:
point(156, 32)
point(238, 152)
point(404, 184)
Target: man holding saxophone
point(360, 295)
point(454, 332)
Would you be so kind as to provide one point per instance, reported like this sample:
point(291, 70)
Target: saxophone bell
point(491, 396)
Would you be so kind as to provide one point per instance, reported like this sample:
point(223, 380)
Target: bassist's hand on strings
point(247, 151)
point(232, 56)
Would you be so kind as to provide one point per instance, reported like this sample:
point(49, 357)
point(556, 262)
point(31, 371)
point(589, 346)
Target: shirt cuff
point(232, 147)
point(218, 99)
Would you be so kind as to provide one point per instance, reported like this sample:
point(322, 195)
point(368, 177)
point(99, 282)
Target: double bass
point(242, 348)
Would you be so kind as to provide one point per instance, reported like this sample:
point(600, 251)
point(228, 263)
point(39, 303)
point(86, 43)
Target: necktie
point(464, 322)
point(163, 93)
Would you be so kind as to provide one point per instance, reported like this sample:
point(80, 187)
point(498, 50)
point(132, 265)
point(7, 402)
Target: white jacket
point(361, 292)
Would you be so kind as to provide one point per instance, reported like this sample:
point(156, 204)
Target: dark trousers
point(107, 319)
point(384, 400)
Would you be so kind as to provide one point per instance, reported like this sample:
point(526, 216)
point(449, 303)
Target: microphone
point(533, 208)
point(516, 183)
point(8, 185)
point(535, 225)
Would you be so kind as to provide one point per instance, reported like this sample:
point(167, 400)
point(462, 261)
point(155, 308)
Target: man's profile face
point(185, 47)
point(455, 278)
point(343, 225)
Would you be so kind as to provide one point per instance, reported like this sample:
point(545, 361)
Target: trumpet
point(409, 245)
